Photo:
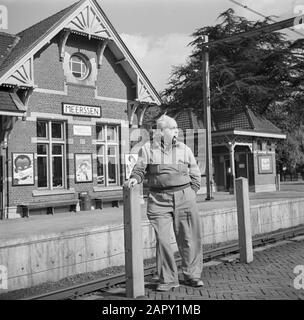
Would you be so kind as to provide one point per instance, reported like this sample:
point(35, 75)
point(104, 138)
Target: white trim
point(110, 99)
point(23, 76)
point(50, 91)
point(110, 188)
point(11, 113)
point(260, 134)
point(249, 133)
point(264, 187)
point(100, 51)
point(64, 24)
point(41, 193)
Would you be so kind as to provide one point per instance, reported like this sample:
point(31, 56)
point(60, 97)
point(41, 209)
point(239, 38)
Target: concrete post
point(232, 165)
point(244, 224)
point(278, 182)
point(134, 266)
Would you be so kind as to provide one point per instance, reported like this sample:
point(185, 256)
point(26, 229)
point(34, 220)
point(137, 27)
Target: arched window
point(80, 66)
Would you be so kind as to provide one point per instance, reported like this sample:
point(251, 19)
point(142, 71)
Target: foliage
point(264, 72)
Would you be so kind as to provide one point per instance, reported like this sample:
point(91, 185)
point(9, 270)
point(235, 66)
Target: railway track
point(76, 291)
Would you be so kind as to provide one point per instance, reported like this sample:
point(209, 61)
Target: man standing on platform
point(173, 178)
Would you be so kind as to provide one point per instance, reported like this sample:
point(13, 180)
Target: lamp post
point(207, 115)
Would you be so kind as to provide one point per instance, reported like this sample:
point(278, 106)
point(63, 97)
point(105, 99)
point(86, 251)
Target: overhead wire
point(262, 15)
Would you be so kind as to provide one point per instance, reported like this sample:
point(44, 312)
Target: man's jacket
point(167, 167)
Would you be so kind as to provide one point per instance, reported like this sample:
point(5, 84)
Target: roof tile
point(7, 42)
point(30, 36)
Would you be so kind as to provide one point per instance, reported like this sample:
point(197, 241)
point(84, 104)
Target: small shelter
point(243, 145)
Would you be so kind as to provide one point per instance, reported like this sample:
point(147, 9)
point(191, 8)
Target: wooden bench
point(49, 205)
point(108, 198)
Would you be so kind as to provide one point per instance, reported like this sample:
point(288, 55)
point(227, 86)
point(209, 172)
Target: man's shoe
point(167, 286)
point(155, 277)
point(194, 282)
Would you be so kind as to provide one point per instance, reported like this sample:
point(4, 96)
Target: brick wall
point(46, 63)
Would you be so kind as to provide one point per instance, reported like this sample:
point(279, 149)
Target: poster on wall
point(23, 169)
point(130, 161)
point(265, 164)
point(83, 167)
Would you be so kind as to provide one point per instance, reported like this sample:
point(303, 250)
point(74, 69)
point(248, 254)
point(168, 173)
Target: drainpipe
point(7, 180)
point(5, 198)
point(3, 181)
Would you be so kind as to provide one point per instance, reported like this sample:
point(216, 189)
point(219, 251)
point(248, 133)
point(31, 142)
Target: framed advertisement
point(130, 161)
point(265, 164)
point(83, 167)
point(23, 169)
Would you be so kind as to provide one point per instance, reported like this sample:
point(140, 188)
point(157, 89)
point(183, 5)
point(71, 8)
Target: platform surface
point(25, 228)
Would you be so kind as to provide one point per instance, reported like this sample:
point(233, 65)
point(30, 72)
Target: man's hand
point(132, 182)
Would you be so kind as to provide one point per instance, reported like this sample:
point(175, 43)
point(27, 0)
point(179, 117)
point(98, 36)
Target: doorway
point(227, 171)
point(244, 166)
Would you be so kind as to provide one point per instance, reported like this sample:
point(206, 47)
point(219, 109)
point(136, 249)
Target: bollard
point(134, 266)
point(278, 182)
point(244, 223)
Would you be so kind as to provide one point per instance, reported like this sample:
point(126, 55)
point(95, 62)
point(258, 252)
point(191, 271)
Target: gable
point(85, 18)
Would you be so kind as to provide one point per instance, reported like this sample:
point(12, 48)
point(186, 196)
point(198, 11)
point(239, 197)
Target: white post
point(134, 266)
point(278, 182)
point(232, 166)
point(244, 223)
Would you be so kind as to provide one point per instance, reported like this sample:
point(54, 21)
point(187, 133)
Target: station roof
point(244, 120)
point(228, 121)
point(10, 104)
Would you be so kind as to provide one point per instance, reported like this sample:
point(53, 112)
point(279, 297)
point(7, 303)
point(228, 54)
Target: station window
point(107, 155)
point(51, 154)
point(80, 66)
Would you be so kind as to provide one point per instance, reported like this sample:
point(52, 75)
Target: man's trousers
point(179, 208)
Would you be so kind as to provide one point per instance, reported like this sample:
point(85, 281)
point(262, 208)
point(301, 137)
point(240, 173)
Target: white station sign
point(81, 110)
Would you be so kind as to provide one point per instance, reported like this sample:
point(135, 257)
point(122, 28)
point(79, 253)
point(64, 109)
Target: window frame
point(50, 142)
point(83, 60)
point(105, 143)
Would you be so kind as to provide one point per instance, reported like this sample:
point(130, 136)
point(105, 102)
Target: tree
point(264, 73)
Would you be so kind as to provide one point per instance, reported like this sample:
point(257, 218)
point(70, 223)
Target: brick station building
point(70, 90)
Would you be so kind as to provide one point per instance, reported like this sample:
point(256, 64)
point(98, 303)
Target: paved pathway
point(269, 277)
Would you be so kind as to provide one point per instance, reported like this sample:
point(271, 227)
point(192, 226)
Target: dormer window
point(80, 66)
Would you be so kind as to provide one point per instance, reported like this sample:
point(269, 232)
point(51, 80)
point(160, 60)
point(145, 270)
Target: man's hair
point(164, 121)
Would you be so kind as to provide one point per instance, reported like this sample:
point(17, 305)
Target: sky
point(157, 32)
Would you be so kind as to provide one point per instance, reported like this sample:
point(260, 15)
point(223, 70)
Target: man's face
point(170, 132)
